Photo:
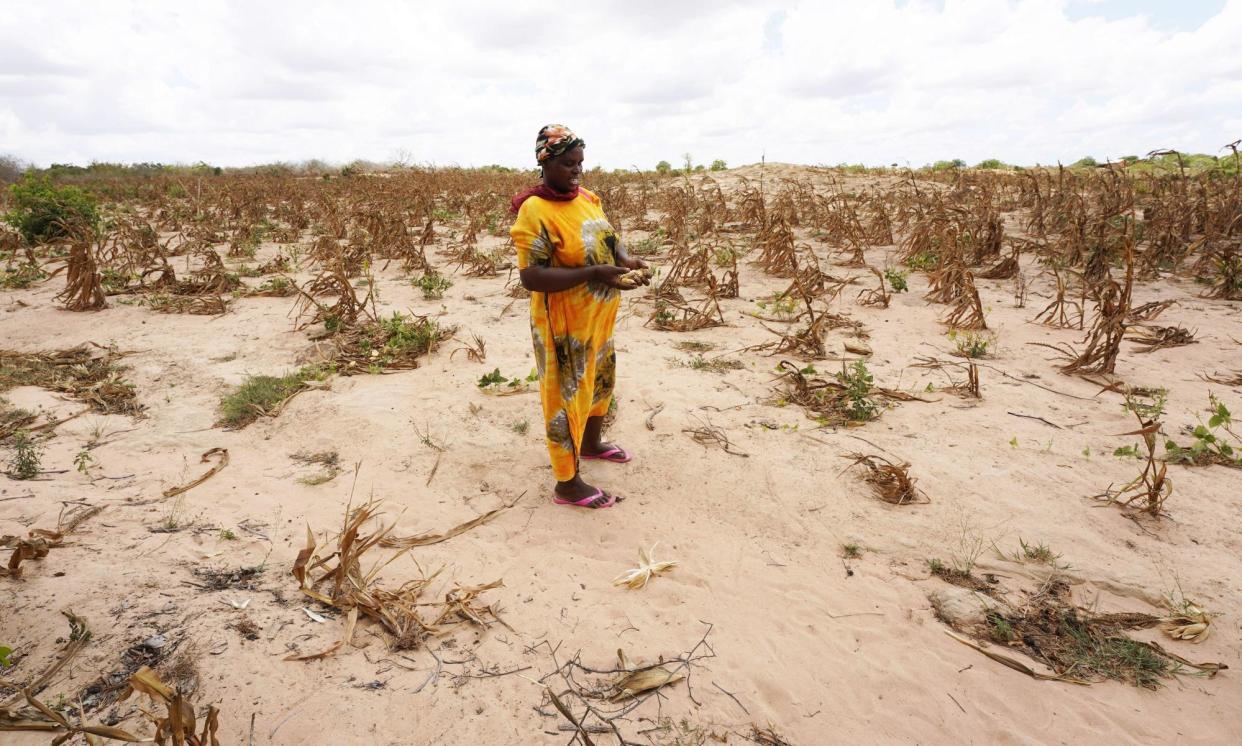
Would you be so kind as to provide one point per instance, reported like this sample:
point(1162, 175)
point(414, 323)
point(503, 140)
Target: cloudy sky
point(470, 83)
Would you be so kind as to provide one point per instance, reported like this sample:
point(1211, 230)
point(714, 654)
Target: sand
point(824, 648)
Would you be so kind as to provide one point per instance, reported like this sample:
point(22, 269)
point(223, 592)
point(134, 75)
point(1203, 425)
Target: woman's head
point(559, 151)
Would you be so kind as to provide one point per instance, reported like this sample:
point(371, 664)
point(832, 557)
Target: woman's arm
point(543, 279)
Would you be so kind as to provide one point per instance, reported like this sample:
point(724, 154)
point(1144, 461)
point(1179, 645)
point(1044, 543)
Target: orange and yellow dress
point(571, 329)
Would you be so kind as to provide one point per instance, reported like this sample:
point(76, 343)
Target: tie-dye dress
point(571, 329)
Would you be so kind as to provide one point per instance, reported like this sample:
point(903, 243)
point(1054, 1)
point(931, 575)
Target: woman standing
point(571, 261)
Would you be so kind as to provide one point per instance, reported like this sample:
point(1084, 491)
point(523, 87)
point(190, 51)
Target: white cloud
point(470, 82)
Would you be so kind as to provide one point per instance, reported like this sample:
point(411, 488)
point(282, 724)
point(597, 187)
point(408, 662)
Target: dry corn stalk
point(178, 725)
point(647, 569)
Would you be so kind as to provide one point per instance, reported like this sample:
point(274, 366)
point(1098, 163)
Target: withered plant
point(890, 480)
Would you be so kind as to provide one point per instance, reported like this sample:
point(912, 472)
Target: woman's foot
point(605, 452)
point(580, 494)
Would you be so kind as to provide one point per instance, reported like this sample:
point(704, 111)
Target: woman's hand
point(610, 275)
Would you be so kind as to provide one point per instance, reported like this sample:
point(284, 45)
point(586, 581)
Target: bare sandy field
point(821, 643)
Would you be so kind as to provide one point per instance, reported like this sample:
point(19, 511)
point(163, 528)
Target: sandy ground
point(826, 649)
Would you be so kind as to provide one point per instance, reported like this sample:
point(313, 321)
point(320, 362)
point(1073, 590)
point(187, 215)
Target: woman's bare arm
point(554, 279)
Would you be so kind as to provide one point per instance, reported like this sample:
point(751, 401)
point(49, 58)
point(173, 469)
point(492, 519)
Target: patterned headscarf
point(553, 140)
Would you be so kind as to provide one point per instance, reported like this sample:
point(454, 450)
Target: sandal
point(615, 454)
point(596, 500)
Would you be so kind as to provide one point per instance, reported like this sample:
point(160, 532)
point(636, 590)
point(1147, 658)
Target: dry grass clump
point(891, 481)
point(1079, 645)
point(1152, 338)
point(675, 316)
point(194, 305)
point(350, 588)
point(87, 373)
point(329, 461)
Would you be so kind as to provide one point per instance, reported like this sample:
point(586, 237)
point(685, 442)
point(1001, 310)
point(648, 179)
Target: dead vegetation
point(889, 480)
point(399, 611)
point(1081, 646)
point(850, 399)
point(1152, 487)
point(1152, 338)
point(87, 373)
point(40, 541)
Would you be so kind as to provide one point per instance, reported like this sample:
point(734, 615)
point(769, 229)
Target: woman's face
point(564, 172)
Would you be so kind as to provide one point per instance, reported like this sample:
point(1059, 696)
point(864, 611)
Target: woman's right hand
point(610, 275)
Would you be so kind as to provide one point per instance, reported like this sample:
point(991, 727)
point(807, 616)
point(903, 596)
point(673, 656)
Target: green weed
point(27, 458)
point(259, 396)
point(433, 285)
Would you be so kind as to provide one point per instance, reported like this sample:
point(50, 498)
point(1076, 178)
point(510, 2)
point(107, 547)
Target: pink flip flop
point(615, 454)
point(588, 501)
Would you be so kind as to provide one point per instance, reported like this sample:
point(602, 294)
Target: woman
point(571, 261)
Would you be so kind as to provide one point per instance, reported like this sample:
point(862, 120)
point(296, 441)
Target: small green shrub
point(664, 167)
point(974, 345)
point(858, 382)
point(896, 279)
point(41, 211)
point(27, 458)
point(719, 165)
point(923, 261)
point(779, 304)
point(21, 277)
point(496, 379)
point(991, 163)
point(1209, 445)
point(433, 285)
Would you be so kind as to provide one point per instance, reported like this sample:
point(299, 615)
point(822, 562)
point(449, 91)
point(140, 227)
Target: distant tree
point(10, 169)
point(719, 165)
point(664, 167)
point(1087, 162)
point(42, 210)
point(991, 163)
point(688, 160)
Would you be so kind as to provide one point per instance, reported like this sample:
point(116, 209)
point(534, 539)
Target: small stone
point(960, 608)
